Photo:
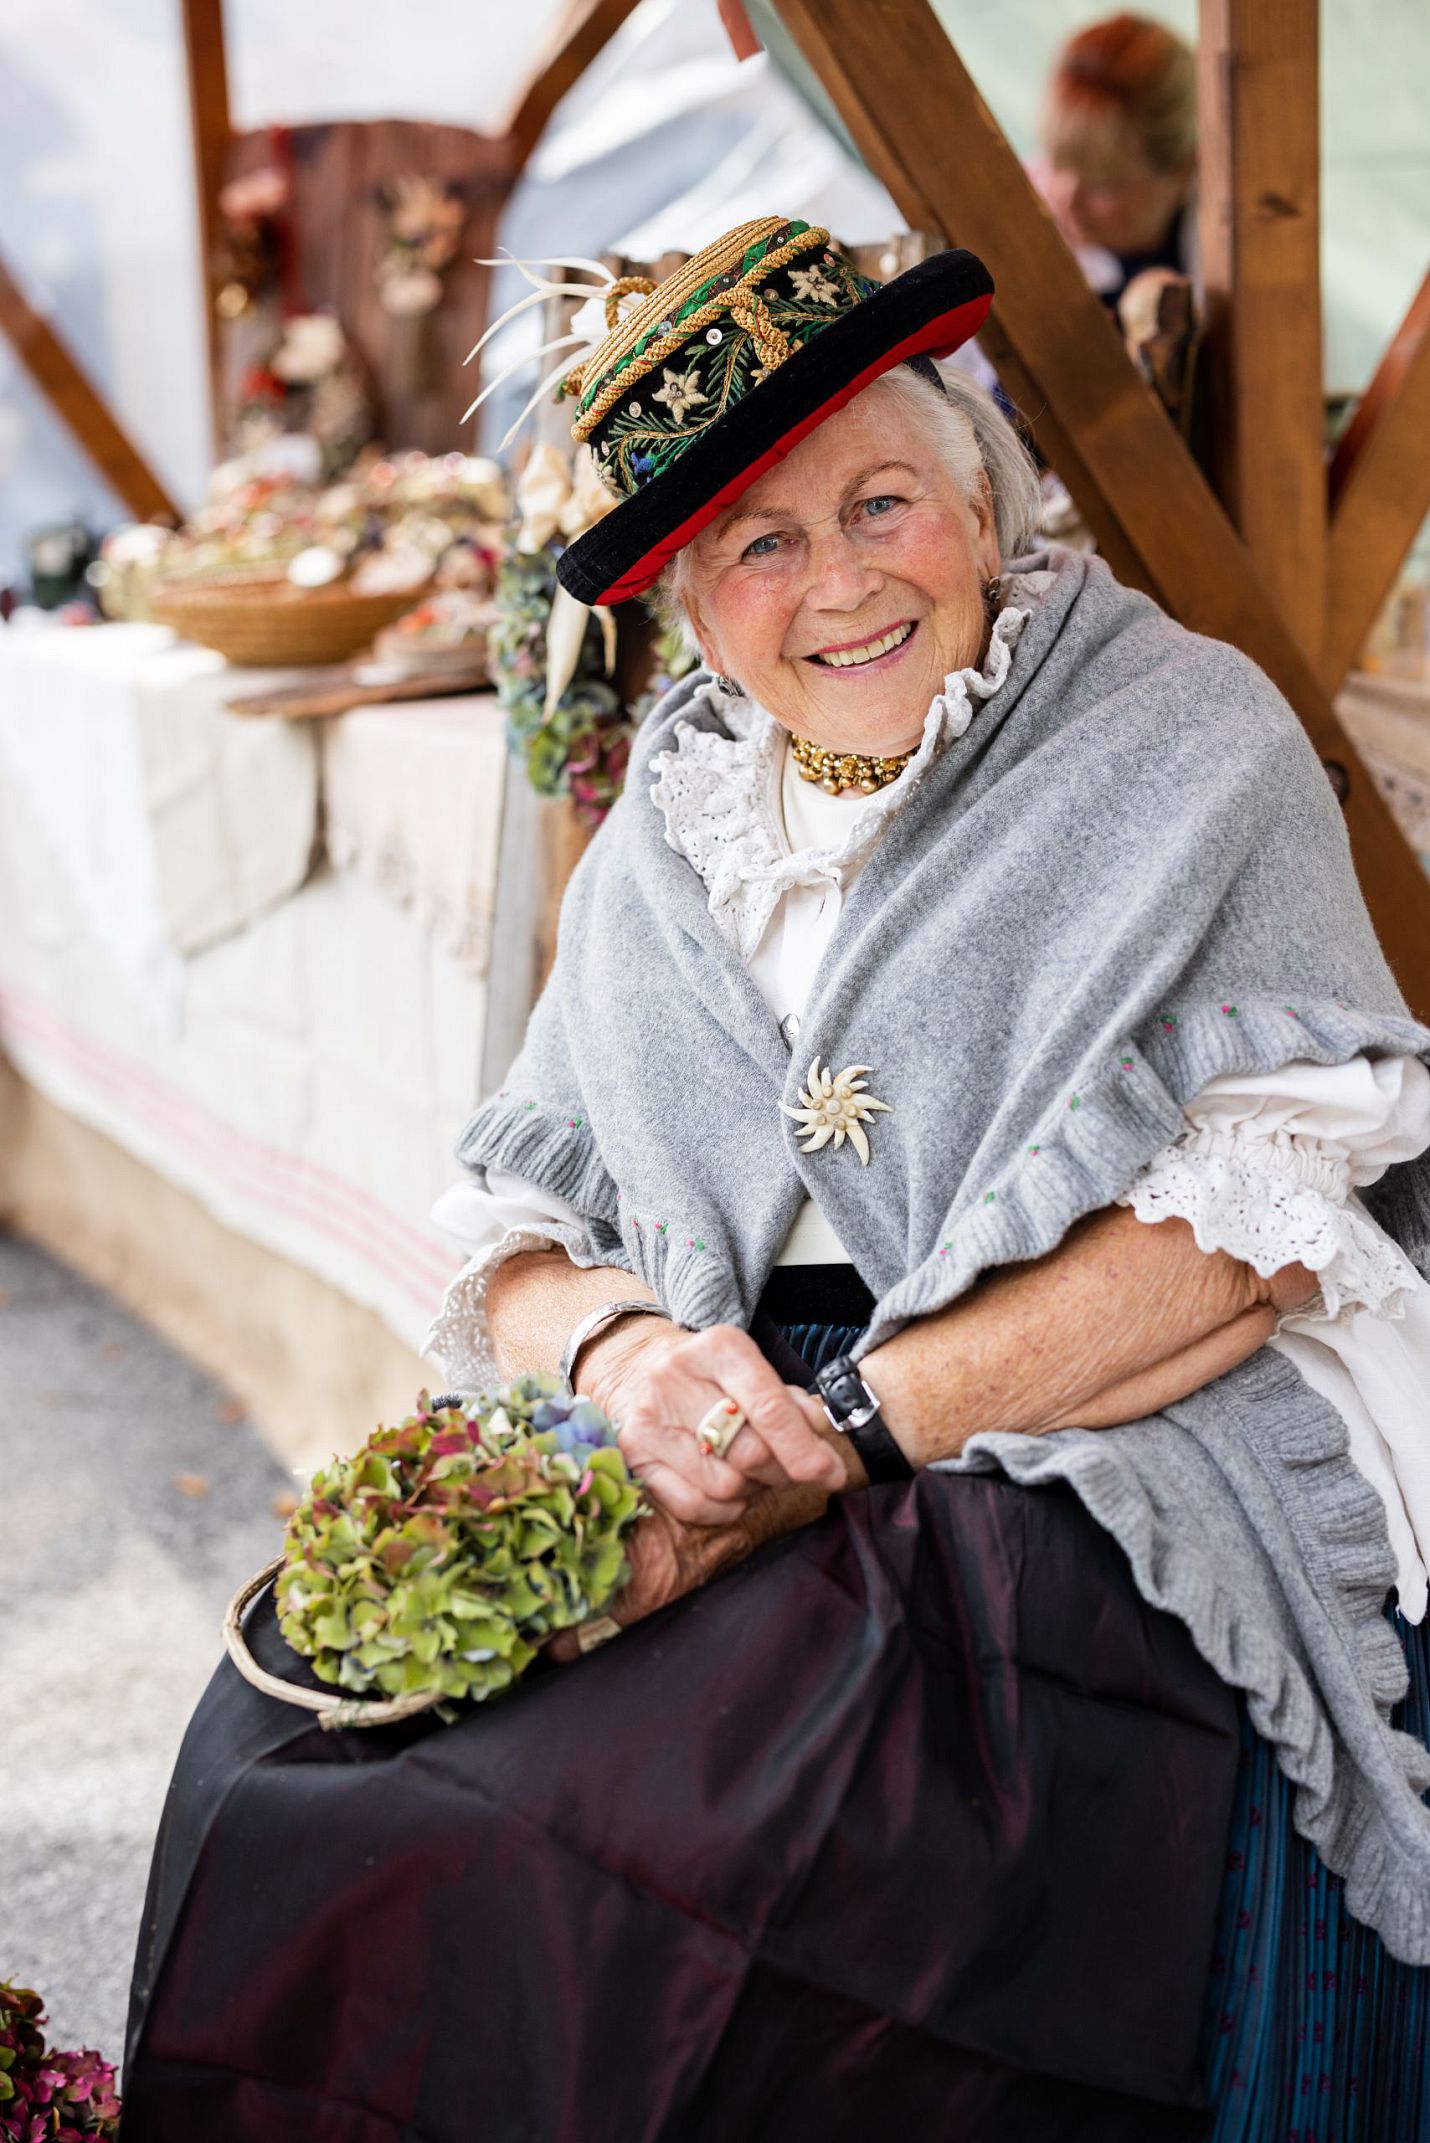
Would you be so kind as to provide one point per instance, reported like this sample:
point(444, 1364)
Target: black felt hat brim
point(928, 311)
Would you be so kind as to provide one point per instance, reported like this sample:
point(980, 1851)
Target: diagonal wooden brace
point(920, 124)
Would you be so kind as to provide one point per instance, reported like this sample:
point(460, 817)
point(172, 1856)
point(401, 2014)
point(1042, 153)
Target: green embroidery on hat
point(669, 406)
point(712, 285)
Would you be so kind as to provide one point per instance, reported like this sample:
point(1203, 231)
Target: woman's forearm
point(536, 1300)
point(1120, 1320)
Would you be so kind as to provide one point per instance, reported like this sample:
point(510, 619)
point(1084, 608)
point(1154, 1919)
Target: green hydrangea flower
point(441, 1555)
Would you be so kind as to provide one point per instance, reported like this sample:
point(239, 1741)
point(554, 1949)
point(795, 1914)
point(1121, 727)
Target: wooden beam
point(583, 30)
point(1259, 236)
point(738, 28)
point(1380, 489)
point(80, 407)
point(925, 132)
point(209, 131)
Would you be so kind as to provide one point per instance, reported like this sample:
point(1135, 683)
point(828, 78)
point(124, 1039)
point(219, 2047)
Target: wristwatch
point(853, 1411)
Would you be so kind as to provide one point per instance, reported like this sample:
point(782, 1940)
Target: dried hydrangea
point(48, 2097)
point(581, 749)
point(441, 1555)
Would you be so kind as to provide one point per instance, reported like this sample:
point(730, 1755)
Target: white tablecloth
point(174, 822)
point(319, 1052)
point(412, 803)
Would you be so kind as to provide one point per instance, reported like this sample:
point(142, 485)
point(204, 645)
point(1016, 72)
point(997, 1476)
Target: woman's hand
point(658, 1383)
point(669, 1559)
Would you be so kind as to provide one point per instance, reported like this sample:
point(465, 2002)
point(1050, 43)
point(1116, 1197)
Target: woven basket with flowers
point(429, 1568)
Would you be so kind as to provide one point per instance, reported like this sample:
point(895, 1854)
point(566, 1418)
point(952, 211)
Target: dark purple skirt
point(913, 1824)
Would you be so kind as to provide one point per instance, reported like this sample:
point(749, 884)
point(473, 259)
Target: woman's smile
point(861, 658)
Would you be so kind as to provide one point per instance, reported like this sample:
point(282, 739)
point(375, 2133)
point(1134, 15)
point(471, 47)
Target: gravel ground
point(134, 1498)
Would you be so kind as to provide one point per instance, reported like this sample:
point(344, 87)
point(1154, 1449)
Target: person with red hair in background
point(1119, 135)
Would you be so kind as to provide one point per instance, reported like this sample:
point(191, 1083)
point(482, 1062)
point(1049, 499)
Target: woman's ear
point(701, 634)
point(986, 551)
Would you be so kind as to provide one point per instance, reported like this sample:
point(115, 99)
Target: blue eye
point(754, 550)
point(879, 507)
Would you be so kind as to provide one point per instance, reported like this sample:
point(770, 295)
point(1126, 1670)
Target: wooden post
point(581, 32)
point(209, 129)
point(1380, 489)
point(80, 406)
point(925, 132)
point(1259, 160)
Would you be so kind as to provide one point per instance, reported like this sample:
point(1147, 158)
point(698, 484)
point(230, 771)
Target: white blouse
point(1266, 1170)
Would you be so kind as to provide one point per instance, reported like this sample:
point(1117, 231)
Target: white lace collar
point(721, 794)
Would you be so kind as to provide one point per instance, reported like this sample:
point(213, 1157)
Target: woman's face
point(847, 583)
point(1103, 192)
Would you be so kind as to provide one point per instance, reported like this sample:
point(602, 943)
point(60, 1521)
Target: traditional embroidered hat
point(726, 366)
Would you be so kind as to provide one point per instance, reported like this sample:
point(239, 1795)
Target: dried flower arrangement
point(581, 749)
point(442, 1554)
point(49, 2097)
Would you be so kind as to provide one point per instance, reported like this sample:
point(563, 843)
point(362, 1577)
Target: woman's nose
point(840, 577)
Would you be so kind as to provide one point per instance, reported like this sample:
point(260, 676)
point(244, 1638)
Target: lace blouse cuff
point(460, 1335)
point(1271, 1202)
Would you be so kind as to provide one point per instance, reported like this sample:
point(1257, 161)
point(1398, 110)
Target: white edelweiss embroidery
point(834, 1105)
point(813, 285)
point(679, 392)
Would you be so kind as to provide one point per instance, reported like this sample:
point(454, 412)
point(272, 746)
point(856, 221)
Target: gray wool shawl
point(1128, 876)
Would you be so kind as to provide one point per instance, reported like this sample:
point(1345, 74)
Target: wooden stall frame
point(920, 124)
point(1379, 489)
point(580, 34)
point(79, 405)
point(1259, 237)
point(206, 66)
point(355, 160)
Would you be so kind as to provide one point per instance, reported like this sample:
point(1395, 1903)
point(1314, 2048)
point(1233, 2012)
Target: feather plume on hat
point(551, 500)
point(590, 325)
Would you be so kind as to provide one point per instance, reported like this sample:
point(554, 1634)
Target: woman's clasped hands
point(659, 1383)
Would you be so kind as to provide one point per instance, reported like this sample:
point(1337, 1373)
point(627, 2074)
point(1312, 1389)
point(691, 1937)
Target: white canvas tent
point(663, 142)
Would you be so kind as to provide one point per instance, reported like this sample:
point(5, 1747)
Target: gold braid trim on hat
point(742, 301)
point(620, 288)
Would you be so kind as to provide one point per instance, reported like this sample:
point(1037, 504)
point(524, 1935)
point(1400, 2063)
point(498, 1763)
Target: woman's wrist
point(607, 1356)
point(884, 1370)
point(605, 1317)
point(854, 1474)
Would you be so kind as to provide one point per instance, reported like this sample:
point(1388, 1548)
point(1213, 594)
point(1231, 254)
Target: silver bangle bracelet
point(592, 1323)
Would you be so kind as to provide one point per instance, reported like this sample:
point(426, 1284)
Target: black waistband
point(816, 1294)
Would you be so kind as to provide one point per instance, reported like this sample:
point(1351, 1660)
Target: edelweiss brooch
point(834, 1105)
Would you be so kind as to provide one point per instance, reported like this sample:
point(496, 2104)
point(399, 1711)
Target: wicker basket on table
point(270, 624)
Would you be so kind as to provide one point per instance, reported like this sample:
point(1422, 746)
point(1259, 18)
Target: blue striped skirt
point(1312, 2033)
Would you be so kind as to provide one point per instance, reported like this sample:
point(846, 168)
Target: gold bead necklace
point(837, 771)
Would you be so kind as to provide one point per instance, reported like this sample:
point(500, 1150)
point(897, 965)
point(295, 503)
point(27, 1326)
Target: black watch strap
point(854, 1411)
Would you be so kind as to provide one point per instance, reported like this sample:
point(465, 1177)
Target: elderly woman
point(937, 1148)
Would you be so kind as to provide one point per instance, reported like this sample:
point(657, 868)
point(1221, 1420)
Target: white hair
point(979, 447)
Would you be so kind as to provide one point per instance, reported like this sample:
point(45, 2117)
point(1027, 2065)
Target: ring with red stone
point(717, 1430)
